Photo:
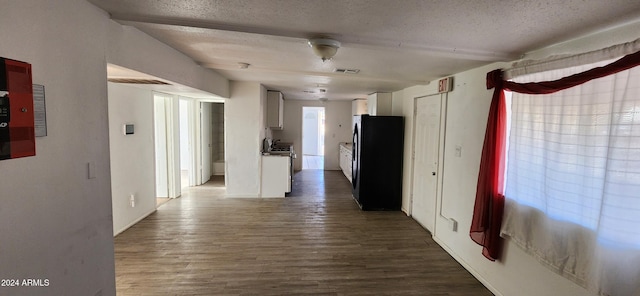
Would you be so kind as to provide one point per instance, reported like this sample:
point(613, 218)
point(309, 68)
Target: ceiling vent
point(137, 81)
point(347, 71)
point(320, 90)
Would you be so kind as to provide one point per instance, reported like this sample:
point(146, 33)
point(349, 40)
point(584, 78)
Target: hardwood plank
point(314, 242)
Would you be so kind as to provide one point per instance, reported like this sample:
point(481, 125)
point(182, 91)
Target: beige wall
point(55, 222)
point(132, 156)
point(337, 129)
point(466, 113)
point(245, 128)
point(131, 48)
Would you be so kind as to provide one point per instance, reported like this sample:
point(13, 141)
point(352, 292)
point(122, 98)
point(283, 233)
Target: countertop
point(346, 145)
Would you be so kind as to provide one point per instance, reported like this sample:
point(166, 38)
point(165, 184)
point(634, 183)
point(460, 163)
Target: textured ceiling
point(394, 44)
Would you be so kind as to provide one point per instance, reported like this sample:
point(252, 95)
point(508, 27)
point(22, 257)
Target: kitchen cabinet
point(359, 107)
point(345, 160)
point(275, 175)
point(275, 110)
point(379, 104)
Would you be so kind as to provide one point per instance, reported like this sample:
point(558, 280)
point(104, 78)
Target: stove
point(286, 149)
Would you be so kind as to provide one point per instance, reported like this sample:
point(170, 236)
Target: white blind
point(574, 156)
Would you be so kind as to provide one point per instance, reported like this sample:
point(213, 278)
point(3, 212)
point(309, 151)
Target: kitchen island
point(275, 175)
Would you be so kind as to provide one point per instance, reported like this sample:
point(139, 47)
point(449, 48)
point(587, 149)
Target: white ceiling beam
point(449, 52)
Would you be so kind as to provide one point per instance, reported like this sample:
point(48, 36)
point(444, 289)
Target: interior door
point(426, 155)
point(161, 147)
point(206, 136)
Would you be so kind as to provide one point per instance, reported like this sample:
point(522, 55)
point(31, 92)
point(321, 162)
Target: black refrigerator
point(378, 146)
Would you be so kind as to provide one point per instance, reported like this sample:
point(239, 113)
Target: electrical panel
point(17, 135)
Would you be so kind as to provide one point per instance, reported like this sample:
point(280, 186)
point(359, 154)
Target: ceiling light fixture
point(324, 48)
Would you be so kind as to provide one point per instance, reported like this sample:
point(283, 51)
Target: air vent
point(137, 81)
point(320, 90)
point(347, 71)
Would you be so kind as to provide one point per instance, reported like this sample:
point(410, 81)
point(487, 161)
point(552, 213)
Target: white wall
point(244, 118)
point(516, 273)
point(337, 129)
point(132, 156)
point(185, 139)
point(133, 49)
point(55, 223)
point(161, 147)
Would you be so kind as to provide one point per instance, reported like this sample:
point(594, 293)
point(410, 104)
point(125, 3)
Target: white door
point(206, 136)
point(161, 153)
point(426, 155)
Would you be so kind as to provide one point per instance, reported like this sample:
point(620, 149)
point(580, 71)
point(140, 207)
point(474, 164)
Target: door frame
point(169, 113)
point(319, 135)
point(441, 149)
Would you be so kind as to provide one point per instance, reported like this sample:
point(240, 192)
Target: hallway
point(315, 241)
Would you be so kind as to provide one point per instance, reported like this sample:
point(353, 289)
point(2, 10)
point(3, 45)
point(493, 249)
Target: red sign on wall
point(17, 136)
point(445, 84)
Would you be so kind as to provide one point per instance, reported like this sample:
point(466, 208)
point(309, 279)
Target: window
point(572, 183)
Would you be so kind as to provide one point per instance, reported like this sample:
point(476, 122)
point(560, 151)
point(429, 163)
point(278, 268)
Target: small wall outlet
point(453, 225)
point(132, 200)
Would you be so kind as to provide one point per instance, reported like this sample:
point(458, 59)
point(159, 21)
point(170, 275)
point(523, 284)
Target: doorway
point(211, 143)
point(426, 160)
point(313, 138)
point(165, 144)
point(186, 145)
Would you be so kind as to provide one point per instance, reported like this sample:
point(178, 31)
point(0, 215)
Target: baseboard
point(468, 267)
point(135, 222)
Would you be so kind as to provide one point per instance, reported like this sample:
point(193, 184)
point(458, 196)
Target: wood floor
point(314, 242)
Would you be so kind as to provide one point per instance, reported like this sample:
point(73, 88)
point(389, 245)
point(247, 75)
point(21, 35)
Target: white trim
point(442, 137)
point(135, 222)
point(173, 145)
point(440, 168)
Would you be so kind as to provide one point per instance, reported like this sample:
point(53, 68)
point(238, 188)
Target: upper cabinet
point(359, 107)
point(379, 104)
point(275, 110)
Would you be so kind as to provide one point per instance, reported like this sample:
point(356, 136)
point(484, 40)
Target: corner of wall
point(244, 127)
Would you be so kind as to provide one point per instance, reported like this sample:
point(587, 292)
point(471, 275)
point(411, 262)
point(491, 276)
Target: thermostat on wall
point(128, 129)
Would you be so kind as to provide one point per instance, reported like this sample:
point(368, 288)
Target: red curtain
point(487, 212)
point(489, 204)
